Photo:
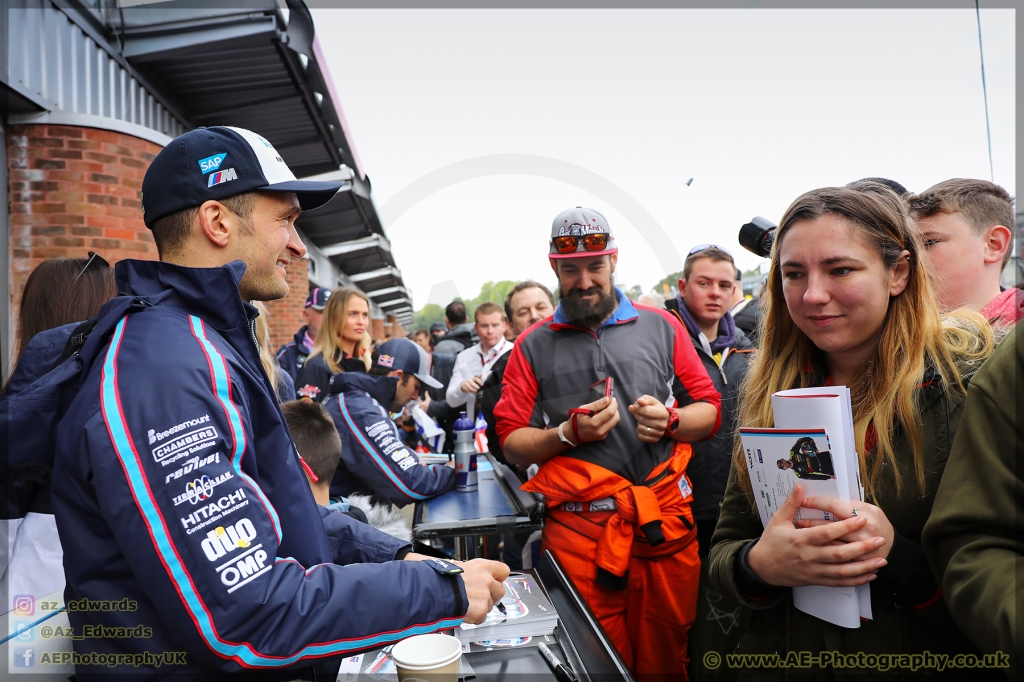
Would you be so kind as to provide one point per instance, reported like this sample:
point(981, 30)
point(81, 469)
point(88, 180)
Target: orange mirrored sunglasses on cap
point(591, 242)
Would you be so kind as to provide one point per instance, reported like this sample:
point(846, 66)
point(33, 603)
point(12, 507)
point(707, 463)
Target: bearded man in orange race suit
point(613, 468)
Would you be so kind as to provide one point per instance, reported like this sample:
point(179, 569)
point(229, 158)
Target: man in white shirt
point(474, 364)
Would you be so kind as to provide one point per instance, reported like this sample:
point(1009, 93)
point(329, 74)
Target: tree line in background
point(495, 292)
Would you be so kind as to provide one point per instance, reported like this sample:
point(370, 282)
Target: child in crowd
point(849, 303)
point(319, 446)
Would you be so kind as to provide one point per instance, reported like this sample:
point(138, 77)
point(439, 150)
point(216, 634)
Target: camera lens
point(757, 236)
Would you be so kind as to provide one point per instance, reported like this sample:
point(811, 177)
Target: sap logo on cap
point(386, 361)
point(211, 163)
point(222, 176)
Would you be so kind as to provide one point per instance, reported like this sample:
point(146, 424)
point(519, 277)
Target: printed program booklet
point(528, 614)
point(812, 444)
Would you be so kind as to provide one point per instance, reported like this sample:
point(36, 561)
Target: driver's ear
point(216, 222)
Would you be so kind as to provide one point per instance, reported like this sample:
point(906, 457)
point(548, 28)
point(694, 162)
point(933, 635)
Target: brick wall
point(286, 313)
point(376, 328)
point(74, 190)
point(397, 331)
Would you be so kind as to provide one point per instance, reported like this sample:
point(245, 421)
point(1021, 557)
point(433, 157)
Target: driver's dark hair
point(171, 232)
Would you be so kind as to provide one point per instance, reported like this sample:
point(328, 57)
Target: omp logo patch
point(220, 177)
point(186, 443)
point(211, 163)
point(244, 568)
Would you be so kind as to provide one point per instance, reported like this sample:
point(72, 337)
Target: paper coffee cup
point(430, 658)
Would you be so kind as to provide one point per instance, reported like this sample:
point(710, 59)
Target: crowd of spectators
point(622, 414)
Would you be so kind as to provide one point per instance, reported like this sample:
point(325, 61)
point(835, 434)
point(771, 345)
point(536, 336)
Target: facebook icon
point(23, 657)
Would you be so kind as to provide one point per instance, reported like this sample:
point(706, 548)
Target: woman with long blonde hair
point(342, 344)
point(848, 302)
point(281, 381)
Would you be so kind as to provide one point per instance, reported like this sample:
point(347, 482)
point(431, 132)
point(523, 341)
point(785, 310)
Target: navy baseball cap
point(317, 298)
point(407, 356)
point(217, 163)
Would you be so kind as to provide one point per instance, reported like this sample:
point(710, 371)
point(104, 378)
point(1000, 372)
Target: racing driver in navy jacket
point(179, 497)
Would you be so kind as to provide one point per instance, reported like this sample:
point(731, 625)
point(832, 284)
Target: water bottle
point(465, 454)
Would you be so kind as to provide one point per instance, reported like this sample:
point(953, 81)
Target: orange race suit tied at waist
point(631, 551)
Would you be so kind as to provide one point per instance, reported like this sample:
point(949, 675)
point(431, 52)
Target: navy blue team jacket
point(292, 355)
point(374, 457)
point(178, 492)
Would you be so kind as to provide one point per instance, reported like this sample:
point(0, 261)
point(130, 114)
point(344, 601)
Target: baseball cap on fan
point(217, 163)
point(581, 232)
point(407, 356)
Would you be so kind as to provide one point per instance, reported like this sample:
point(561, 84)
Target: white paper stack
point(812, 444)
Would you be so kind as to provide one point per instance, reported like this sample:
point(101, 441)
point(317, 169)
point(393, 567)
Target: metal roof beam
point(187, 38)
point(374, 241)
point(374, 274)
point(387, 290)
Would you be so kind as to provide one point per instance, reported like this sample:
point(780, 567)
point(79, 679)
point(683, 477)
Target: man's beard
point(589, 315)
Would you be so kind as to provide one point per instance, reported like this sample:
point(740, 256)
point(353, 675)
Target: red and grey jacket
point(645, 351)
point(182, 507)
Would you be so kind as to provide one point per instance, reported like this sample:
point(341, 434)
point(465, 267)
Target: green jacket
point(909, 614)
point(975, 536)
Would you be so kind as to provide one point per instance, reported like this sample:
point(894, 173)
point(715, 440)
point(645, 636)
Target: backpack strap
point(77, 339)
point(80, 334)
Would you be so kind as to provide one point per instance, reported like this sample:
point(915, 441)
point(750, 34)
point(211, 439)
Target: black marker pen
point(561, 672)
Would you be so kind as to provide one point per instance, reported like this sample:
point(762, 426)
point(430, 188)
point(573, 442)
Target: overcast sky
point(543, 110)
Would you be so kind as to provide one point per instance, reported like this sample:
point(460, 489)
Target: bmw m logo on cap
point(190, 170)
point(222, 176)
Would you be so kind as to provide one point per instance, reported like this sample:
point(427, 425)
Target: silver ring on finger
point(855, 511)
point(648, 430)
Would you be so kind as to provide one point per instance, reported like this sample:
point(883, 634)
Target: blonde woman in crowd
point(342, 344)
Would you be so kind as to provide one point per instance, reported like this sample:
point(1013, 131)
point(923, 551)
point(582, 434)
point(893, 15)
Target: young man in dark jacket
point(702, 305)
point(705, 293)
point(374, 458)
point(178, 495)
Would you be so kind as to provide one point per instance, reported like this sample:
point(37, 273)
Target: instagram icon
point(24, 604)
